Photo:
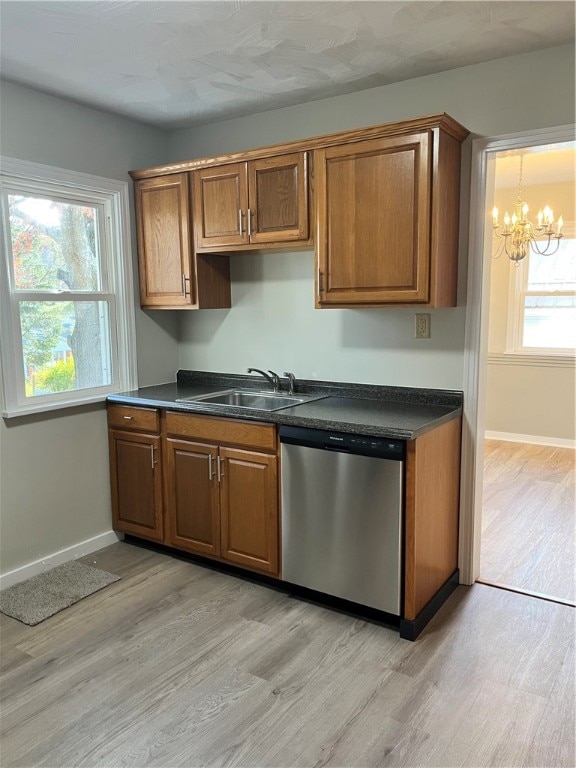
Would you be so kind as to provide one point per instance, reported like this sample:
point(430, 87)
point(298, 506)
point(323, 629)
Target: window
point(66, 321)
point(543, 301)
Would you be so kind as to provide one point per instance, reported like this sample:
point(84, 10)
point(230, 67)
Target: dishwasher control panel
point(378, 444)
point(365, 445)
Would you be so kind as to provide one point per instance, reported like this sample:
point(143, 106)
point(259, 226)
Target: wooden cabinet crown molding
point(440, 120)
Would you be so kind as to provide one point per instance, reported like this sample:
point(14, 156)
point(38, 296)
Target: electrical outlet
point(422, 325)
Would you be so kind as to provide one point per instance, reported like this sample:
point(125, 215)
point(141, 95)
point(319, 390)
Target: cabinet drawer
point(221, 430)
point(137, 419)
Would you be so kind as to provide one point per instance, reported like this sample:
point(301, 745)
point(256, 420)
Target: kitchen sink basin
point(248, 398)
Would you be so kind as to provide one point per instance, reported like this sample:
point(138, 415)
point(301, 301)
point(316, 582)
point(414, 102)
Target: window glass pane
point(550, 322)
point(556, 272)
point(54, 244)
point(66, 345)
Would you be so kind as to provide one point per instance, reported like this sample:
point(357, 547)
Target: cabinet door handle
point(240, 215)
point(184, 280)
point(210, 467)
point(320, 282)
point(152, 456)
point(249, 222)
point(220, 467)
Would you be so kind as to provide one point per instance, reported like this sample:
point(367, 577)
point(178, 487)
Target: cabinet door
point(220, 205)
point(192, 497)
point(278, 197)
point(373, 241)
point(136, 479)
point(164, 246)
point(249, 509)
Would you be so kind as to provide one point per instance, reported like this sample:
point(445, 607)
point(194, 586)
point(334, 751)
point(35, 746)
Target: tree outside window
point(67, 323)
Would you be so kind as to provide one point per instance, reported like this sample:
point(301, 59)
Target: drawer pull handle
point(128, 418)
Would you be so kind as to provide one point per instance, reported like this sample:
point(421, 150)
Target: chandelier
point(519, 234)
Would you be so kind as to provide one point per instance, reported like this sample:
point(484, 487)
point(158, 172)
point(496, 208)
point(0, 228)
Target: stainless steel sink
point(248, 398)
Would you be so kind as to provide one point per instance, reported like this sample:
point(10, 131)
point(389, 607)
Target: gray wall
point(54, 490)
point(54, 482)
point(273, 293)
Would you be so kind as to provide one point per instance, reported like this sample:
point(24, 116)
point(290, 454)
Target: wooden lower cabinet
point(192, 505)
point(249, 509)
point(210, 486)
point(200, 484)
point(136, 482)
point(222, 500)
point(431, 514)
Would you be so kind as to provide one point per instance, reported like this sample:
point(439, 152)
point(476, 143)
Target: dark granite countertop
point(400, 412)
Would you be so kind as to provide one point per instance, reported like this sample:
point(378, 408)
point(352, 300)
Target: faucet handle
point(276, 380)
point(291, 382)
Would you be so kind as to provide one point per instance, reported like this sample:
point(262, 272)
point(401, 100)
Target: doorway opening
point(526, 422)
point(480, 256)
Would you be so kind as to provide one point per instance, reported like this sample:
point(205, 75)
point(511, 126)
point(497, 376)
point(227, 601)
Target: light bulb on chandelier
point(519, 234)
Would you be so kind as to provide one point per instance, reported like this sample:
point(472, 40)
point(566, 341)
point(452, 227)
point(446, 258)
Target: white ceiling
point(174, 64)
point(543, 164)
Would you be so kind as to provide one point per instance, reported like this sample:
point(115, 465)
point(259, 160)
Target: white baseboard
point(513, 437)
point(58, 558)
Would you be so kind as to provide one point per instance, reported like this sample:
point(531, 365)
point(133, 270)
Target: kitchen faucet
point(291, 382)
point(273, 379)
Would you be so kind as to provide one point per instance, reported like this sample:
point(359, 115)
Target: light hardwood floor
point(179, 665)
point(528, 518)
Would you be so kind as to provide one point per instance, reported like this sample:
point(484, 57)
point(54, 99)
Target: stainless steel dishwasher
point(342, 499)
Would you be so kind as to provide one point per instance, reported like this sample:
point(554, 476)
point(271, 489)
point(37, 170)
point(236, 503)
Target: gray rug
point(42, 596)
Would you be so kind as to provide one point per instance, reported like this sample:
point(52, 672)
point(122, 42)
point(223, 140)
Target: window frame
point(517, 291)
point(111, 196)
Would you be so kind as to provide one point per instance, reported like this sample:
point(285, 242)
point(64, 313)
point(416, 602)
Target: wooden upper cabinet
point(387, 221)
point(384, 200)
point(373, 213)
point(278, 197)
point(220, 205)
point(172, 276)
point(164, 243)
point(261, 201)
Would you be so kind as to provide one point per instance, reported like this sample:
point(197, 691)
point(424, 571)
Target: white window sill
point(43, 407)
point(534, 359)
